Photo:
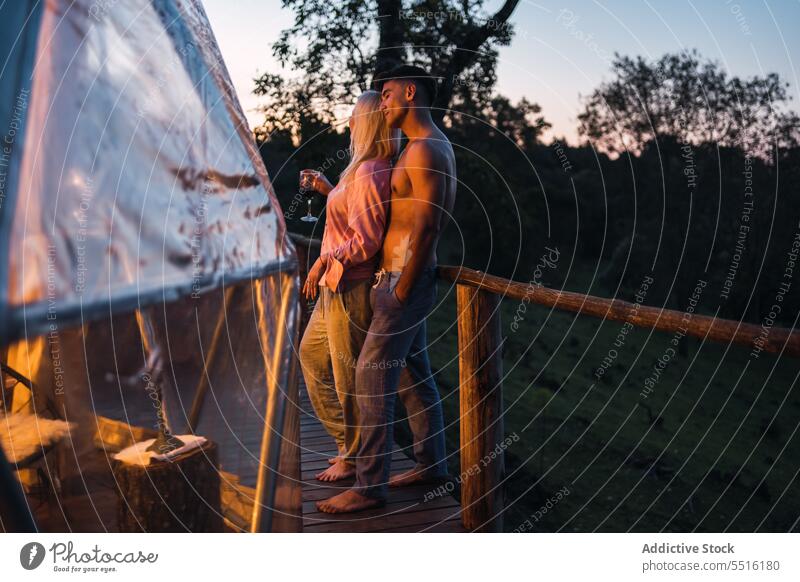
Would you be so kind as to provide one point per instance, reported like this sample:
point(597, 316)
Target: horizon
point(577, 41)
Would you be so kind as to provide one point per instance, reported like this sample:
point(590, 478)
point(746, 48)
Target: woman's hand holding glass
point(314, 180)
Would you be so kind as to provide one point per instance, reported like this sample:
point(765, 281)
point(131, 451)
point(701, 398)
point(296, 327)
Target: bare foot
point(348, 502)
point(332, 460)
point(413, 477)
point(336, 472)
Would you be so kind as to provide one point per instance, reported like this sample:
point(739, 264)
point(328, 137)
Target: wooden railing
point(778, 339)
point(478, 297)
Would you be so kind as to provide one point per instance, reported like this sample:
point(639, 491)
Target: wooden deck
point(405, 511)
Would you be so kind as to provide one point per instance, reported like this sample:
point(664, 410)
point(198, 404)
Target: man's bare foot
point(336, 472)
point(413, 477)
point(348, 502)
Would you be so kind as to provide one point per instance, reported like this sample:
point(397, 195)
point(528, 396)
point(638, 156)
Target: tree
point(691, 100)
point(339, 46)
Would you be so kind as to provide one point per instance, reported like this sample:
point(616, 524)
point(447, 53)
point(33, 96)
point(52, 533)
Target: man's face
point(394, 103)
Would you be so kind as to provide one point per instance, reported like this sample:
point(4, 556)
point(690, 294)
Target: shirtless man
point(423, 195)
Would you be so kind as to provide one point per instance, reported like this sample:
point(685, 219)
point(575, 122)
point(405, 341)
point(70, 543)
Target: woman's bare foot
point(334, 460)
point(341, 469)
point(348, 502)
point(413, 477)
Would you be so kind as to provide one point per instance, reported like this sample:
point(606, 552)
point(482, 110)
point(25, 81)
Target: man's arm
point(426, 171)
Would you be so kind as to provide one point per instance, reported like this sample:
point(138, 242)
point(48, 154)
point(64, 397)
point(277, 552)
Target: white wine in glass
point(307, 190)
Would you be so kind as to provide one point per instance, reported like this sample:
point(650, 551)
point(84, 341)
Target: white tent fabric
point(137, 174)
point(136, 214)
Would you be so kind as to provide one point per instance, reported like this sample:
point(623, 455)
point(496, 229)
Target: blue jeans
point(397, 339)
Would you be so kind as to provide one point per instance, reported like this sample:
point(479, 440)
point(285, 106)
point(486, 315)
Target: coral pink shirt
point(356, 223)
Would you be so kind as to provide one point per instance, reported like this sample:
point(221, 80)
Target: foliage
point(338, 46)
point(691, 100)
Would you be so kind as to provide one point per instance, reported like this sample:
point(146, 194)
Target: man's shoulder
point(429, 151)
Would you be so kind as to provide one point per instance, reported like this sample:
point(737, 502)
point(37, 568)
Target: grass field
point(713, 447)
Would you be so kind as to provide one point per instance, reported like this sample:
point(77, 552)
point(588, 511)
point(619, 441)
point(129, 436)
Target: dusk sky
point(562, 50)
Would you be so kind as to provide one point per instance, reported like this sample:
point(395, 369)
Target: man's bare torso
point(397, 245)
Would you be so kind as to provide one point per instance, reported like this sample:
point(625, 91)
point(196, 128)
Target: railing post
point(480, 368)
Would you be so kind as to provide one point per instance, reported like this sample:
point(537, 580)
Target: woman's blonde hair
point(370, 137)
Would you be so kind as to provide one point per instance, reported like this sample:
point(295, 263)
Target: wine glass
point(307, 190)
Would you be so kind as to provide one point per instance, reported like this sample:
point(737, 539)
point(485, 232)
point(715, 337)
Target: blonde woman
point(355, 223)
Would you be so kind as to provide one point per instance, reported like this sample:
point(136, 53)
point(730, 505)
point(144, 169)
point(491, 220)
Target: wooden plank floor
point(405, 511)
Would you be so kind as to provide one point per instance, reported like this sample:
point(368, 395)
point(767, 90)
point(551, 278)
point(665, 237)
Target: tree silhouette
point(691, 100)
point(340, 46)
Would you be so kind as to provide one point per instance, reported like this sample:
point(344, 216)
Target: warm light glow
point(76, 179)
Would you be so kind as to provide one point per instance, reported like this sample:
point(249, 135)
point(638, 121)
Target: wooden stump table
point(179, 495)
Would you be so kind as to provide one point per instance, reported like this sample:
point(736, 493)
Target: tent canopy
point(131, 173)
point(136, 213)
